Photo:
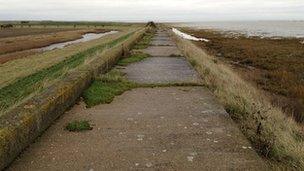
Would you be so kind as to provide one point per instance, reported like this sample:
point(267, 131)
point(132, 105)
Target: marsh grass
point(17, 91)
point(272, 133)
point(278, 65)
point(78, 126)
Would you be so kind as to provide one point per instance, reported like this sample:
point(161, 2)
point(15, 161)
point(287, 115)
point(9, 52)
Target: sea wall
point(23, 124)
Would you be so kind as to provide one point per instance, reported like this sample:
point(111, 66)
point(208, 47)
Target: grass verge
point(22, 88)
point(271, 132)
point(78, 126)
point(135, 57)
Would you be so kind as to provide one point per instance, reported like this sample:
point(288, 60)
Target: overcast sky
point(156, 10)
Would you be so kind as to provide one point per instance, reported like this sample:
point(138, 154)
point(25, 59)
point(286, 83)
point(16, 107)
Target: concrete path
point(171, 128)
point(162, 70)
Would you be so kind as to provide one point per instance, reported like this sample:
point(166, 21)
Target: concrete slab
point(158, 42)
point(162, 51)
point(175, 128)
point(162, 70)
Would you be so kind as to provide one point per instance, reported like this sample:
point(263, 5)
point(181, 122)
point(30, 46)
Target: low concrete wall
point(26, 122)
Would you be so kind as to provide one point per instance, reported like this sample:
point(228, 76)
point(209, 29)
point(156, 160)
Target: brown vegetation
point(274, 65)
point(272, 133)
point(20, 43)
point(14, 32)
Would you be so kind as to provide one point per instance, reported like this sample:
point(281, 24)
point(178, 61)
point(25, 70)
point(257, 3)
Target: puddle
point(85, 38)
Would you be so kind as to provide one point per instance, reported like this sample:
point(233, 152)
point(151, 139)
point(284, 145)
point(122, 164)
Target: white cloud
point(143, 10)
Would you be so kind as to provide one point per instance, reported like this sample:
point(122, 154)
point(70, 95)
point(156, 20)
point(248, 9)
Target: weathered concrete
point(162, 43)
point(162, 46)
point(162, 70)
point(164, 51)
point(177, 128)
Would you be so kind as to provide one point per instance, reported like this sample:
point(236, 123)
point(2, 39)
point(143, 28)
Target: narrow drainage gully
point(85, 38)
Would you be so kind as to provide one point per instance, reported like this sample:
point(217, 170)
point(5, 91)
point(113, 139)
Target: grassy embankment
point(145, 42)
point(19, 68)
point(271, 132)
point(276, 66)
point(24, 87)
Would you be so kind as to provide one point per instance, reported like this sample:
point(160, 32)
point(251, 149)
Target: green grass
point(193, 62)
point(145, 42)
point(78, 126)
point(136, 57)
point(17, 91)
point(104, 89)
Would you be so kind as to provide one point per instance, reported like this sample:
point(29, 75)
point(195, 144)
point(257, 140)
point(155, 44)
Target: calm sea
point(256, 28)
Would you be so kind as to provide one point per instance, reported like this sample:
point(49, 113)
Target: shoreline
point(268, 28)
